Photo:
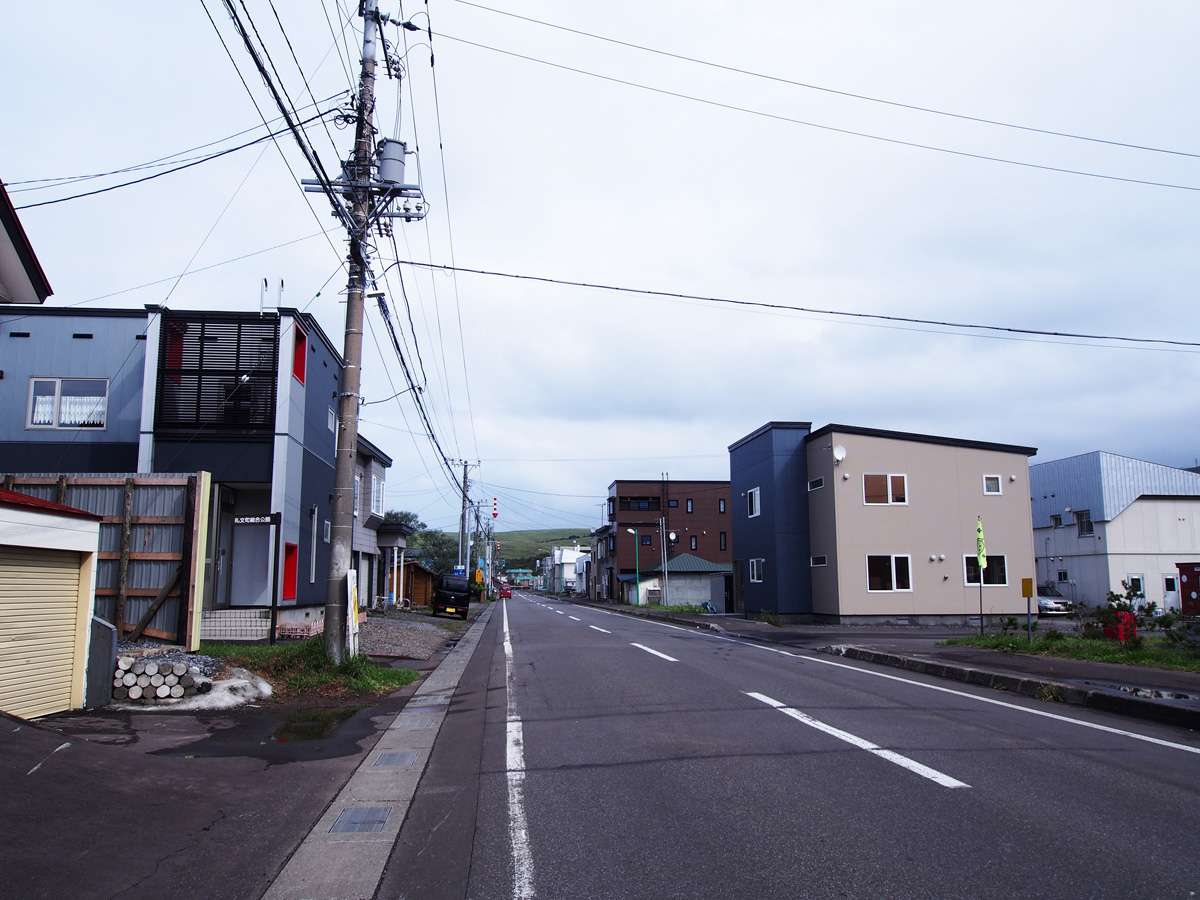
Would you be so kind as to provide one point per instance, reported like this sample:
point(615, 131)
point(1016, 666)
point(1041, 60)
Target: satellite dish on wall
point(839, 453)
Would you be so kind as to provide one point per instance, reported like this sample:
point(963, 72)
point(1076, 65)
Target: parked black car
point(453, 596)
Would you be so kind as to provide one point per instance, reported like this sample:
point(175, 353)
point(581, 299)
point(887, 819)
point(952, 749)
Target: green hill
point(521, 548)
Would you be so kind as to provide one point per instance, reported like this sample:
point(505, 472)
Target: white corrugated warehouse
point(48, 556)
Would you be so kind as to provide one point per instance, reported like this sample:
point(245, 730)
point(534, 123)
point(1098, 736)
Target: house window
point(721, 506)
point(995, 575)
point(612, 507)
point(991, 485)
point(689, 507)
point(67, 402)
point(328, 530)
point(1169, 584)
point(885, 490)
point(376, 495)
point(889, 573)
point(1083, 518)
point(1137, 584)
point(1062, 575)
point(357, 488)
point(299, 353)
point(641, 504)
point(1056, 521)
point(673, 503)
point(331, 420)
point(291, 555)
point(816, 483)
point(752, 505)
point(694, 542)
point(818, 560)
point(647, 540)
point(723, 541)
point(756, 570)
point(612, 542)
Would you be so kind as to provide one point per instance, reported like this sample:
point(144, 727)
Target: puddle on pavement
point(313, 724)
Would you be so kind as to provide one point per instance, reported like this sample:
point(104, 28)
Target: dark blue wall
point(774, 460)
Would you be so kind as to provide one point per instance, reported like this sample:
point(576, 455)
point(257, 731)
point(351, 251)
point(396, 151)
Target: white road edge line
point(890, 755)
point(655, 652)
point(518, 830)
point(598, 628)
point(1033, 712)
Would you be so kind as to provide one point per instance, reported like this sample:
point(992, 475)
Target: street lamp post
point(637, 571)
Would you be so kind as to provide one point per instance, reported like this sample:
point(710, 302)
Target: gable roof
point(687, 564)
point(1103, 483)
point(18, 500)
point(21, 277)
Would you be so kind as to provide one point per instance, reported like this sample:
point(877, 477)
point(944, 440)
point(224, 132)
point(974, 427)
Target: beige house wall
point(935, 528)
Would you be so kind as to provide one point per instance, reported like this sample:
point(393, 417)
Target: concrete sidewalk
point(1160, 695)
point(345, 853)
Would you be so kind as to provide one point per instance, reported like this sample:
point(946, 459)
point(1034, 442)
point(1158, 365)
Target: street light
point(637, 572)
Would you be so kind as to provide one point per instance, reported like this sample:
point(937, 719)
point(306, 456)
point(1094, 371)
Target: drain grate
point(397, 758)
point(413, 722)
point(361, 820)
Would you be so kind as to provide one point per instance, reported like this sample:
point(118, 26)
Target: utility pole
point(369, 198)
point(462, 517)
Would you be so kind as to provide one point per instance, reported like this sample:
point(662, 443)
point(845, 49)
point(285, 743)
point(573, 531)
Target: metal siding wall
point(39, 607)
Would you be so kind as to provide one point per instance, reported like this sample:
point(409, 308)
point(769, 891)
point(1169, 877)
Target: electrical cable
point(179, 168)
point(831, 128)
point(817, 87)
point(759, 304)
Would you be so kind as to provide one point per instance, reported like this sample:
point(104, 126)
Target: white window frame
point(756, 570)
point(328, 531)
point(817, 561)
point(55, 423)
point(991, 558)
point(377, 504)
point(817, 483)
point(888, 476)
point(331, 421)
point(999, 491)
point(1141, 581)
point(892, 557)
point(357, 492)
point(1063, 576)
point(1091, 524)
point(312, 560)
point(753, 503)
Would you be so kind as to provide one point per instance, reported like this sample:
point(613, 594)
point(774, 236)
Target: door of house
point(1170, 593)
point(223, 552)
point(739, 586)
point(1189, 588)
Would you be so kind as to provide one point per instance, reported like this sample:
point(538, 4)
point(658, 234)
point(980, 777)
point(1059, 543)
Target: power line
point(179, 168)
point(1146, 343)
point(827, 90)
point(831, 128)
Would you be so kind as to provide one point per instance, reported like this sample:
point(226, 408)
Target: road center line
point(518, 830)
point(655, 652)
point(598, 628)
point(575, 618)
point(890, 755)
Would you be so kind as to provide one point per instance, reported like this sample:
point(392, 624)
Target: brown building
point(695, 512)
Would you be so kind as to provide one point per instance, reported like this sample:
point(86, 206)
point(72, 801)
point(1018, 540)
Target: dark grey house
point(247, 397)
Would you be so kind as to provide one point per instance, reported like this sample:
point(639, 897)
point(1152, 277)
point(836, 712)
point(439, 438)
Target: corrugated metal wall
point(159, 529)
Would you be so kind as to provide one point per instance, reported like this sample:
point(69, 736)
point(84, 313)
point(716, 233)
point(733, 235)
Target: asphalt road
point(595, 756)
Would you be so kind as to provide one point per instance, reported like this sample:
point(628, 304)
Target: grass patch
point(306, 667)
point(1155, 653)
point(683, 608)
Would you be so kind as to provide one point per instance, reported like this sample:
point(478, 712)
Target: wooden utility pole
point(342, 519)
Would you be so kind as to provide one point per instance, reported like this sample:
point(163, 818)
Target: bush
point(1053, 636)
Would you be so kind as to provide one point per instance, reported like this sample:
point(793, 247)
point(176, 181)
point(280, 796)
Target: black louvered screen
point(217, 374)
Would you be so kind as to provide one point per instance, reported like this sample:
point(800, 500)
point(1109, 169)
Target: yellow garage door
point(39, 613)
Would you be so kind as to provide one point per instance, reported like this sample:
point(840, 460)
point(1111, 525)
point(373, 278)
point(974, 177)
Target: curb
point(1030, 686)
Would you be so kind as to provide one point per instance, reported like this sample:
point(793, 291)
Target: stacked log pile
point(147, 681)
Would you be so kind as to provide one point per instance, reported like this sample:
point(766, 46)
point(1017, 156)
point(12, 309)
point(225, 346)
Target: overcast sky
point(554, 154)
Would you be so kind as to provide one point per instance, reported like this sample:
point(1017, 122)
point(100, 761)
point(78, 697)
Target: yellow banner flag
point(980, 548)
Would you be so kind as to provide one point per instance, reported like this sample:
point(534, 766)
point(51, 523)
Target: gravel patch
point(379, 636)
